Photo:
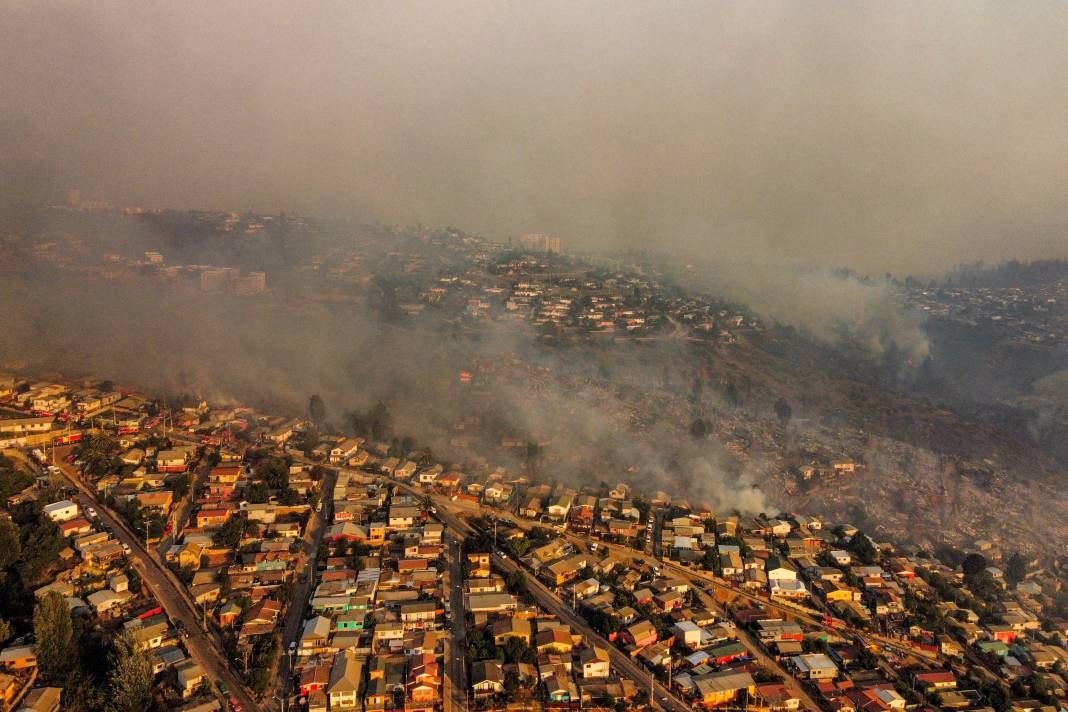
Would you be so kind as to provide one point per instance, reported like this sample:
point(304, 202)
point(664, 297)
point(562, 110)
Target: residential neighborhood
point(343, 574)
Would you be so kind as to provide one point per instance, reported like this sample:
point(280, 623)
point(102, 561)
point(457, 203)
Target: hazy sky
point(882, 136)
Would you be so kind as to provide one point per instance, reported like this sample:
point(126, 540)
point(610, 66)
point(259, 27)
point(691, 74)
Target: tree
point(98, 454)
point(82, 693)
point(861, 547)
point(181, 485)
point(1015, 569)
point(317, 409)
point(730, 393)
point(379, 421)
point(6, 631)
point(699, 429)
point(130, 679)
point(783, 410)
point(54, 630)
point(10, 544)
point(534, 455)
point(973, 564)
point(229, 535)
point(275, 472)
point(259, 493)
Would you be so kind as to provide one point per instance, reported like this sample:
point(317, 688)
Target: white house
point(62, 511)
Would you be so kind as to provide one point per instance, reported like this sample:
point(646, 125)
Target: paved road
point(180, 517)
point(170, 594)
point(754, 647)
point(313, 536)
point(707, 579)
point(663, 699)
point(455, 692)
point(548, 600)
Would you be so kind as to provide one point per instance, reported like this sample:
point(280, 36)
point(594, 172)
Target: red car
point(234, 704)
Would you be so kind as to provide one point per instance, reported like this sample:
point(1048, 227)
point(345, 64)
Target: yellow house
point(156, 499)
point(376, 534)
point(719, 688)
point(189, 555)
point(480, 564)
point(9, 687)
point(556, 640)
point(843, 593)
point(511, 627)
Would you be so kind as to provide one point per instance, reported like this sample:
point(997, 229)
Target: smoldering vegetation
point(575, 419)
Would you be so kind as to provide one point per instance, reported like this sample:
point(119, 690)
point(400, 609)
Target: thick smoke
point(902, 137)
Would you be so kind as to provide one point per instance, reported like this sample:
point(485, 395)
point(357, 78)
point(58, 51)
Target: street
point(169, 592)
point(297, 606)
point(552, 603)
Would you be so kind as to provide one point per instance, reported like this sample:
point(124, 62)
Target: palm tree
point(98, 453)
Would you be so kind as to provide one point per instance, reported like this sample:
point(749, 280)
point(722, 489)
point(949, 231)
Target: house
point(423, 683)
point(510, 627)
point(480, 564)
point(594, 662)
point(61, 511)
point(9, 687)
point(777, 569)
point(315, 635)
point(640, 634)
point(560, 507)
point(75, 527)
point(814, 666)
point(346, 676)
point(719, 688)
point(315, 678)
point(561, 688)
point(688, 634)
point(190, 677)
point(42, 699)
point(554, 640)
point(418, 614)
point(787, 588)
point(403, 517)
point(18, 657)
point(105, 601)
point(490, 602)
point(935, 681)
point(345, 450)
point(212, 518)
point(172, 460)
point(497, 493)
point(487, 677)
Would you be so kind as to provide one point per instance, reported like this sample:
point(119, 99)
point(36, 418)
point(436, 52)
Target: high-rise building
point(540, 243)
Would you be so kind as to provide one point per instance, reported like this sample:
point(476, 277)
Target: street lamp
point(282, 701)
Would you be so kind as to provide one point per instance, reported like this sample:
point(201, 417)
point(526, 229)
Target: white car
point(126, 549)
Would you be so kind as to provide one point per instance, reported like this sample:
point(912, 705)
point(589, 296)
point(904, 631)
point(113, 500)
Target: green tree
point(98, 454)
point(1015, 569)
point(229, 535)
point(181, 485)
point(81, 693)
point(130, 679)
point(54, 631)
point(973, 564)
point(10, 543)
point(259, 493)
